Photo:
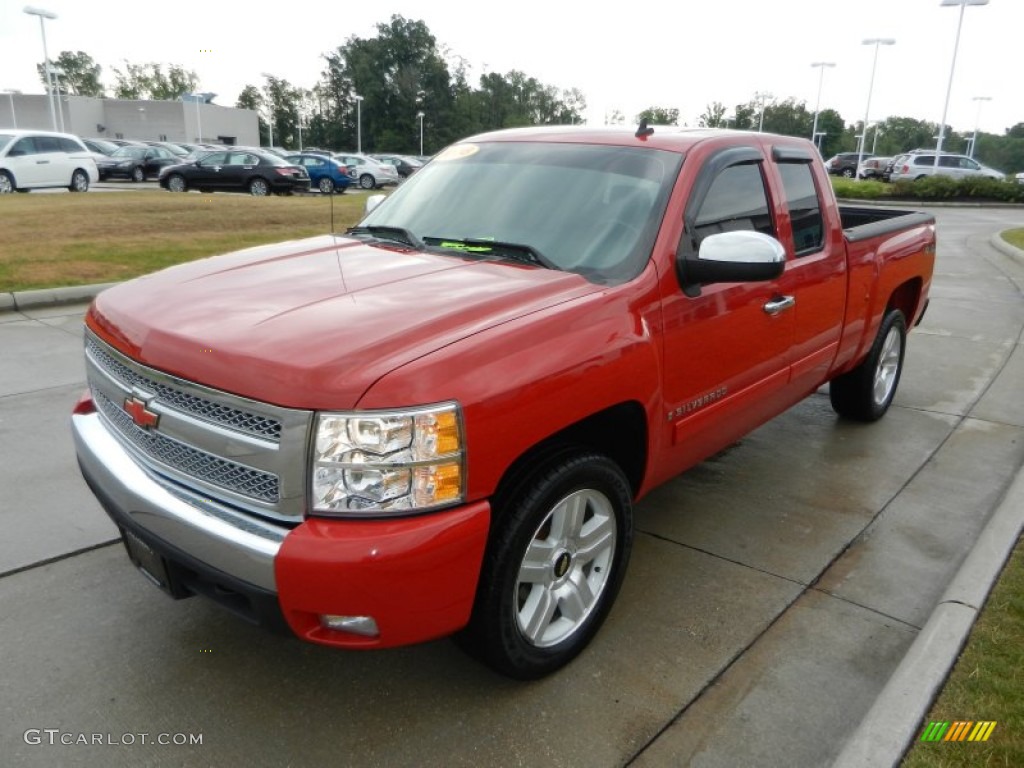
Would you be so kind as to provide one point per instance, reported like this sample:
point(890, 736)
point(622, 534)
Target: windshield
point(132, 152)
point(590, 209)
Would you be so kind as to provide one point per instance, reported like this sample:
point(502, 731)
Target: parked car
point(100, 146)
point(440, 421)
point(170, 146)
point(39, 159)
point(874, 168)
point(844, 164)
point(370, 173)
point(922, 164)
point(404, 164)
point(136, 163)
point(258, 173)
point(325, 173)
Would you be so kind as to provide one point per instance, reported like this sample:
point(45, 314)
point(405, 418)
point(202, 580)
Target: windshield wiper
point(517, 251)
point(394, 234)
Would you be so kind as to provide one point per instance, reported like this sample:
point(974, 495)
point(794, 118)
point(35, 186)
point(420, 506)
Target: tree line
point(401, 73)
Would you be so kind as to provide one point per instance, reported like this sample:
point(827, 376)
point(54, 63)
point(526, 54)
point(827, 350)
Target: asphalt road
point(772, 590)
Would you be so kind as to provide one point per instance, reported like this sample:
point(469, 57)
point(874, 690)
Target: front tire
point(866, 392)
point(555, 561)
point(79, 181)
point(6, 183)
point(176, 183)
point(138, 174)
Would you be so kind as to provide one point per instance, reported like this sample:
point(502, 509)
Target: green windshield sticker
point(456, 245)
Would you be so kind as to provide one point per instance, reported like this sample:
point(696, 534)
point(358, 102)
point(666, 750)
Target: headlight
point(390, 462)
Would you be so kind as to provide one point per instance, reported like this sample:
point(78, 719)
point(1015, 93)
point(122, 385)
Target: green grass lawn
point(987, 683)
point(1014, 237)
point(53, 240)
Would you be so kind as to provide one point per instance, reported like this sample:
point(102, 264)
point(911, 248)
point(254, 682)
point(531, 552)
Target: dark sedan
point(135, 163)
point(257, 173)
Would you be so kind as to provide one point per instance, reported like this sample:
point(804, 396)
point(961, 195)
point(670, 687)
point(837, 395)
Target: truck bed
point(865, 223)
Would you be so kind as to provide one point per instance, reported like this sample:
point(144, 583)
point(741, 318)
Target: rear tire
point(366, 181)
point(6, 183)
point(847, 173)
point(326, 186)
point(866, 392)
point(138, 174)
point(258, 187)
point(556, 558)
point(79, 181)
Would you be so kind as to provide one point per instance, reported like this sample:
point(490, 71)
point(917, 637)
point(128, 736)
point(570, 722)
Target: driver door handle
point(779, 304)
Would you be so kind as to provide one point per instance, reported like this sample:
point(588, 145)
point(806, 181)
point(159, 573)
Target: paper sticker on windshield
point(458, 152)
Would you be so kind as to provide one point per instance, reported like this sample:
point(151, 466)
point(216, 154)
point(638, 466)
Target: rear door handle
point(779, 304)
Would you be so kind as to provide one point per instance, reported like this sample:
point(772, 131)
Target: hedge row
point(969, 189)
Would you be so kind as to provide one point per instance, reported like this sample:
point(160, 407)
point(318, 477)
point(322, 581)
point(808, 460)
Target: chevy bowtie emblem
point(141, 415)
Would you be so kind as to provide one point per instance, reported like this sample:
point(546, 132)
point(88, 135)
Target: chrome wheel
point(79, 181)
point(326, 185)
point(138, 175)
point(6, 184)
point(565, 568)
point(176, 183)
point(888, 366)
point(259, 187)
point(366, 181)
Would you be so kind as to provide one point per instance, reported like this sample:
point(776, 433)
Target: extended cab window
point(804, 207)
point(736, 200)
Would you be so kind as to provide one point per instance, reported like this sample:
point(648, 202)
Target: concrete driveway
point(771, 593)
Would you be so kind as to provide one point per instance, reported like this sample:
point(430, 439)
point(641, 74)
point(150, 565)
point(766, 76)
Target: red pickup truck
point(439, 421)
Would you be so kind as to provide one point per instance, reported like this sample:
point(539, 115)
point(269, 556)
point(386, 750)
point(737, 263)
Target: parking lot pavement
point(772, 590)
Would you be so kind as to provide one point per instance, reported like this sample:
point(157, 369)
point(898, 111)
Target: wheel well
point(906, 299)
point(618, 432)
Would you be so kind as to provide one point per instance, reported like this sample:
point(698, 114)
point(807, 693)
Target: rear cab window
point(804, 206)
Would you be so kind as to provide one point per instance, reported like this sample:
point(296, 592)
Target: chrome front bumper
point(206, 530)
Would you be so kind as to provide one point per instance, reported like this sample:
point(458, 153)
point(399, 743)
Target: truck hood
point(314, 323)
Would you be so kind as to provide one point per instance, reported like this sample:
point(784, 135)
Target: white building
point(90, 117)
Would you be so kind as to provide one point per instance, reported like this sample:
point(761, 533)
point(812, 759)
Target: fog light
point(357, 625)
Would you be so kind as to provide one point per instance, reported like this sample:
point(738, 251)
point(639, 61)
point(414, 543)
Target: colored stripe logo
point(959, 730)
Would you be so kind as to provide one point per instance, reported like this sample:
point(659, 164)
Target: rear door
point(815, 266)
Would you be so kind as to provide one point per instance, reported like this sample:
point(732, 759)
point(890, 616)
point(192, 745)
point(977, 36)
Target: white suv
point(38, 159)
point(918, 165)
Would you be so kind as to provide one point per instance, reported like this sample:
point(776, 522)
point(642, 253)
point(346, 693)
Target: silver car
point(369, 173)
point(918, 166)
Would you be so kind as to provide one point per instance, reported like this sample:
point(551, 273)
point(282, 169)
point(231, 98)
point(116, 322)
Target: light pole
point(57, 72)
point(875, 41)
point(762, 97)
point(359, 123)
point(818, 135)
point(821, 65)
point(974, 138)
point(952, 68)
point(44, 14)
point(10, 95)
point(270, 124)
point(419, 116)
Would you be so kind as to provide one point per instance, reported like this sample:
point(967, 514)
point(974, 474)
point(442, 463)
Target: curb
point(50, 297)
point(1002, 246)
point(889, 727)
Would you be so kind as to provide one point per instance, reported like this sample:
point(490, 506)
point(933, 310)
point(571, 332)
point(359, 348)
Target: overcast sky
point(624, 56)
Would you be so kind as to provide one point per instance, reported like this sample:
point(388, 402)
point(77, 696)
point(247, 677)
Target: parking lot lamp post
point(359, 123)
point(875, 41)
point(952, 68)
point(419, 116)
point(10, 95)
point(57, 72)
point(974, 139)
point(762, 97)
point(818, 135)
point(817, 104)
point(270, 123)
point(44, 14)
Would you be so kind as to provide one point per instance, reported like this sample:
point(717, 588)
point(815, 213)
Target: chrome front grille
point(204, 467)
point(247, 455)
point(215, 413)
